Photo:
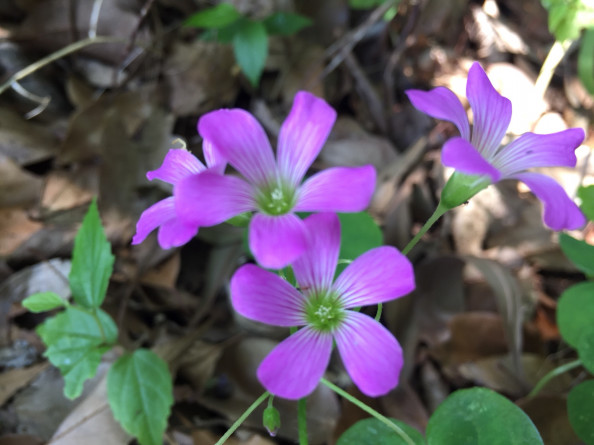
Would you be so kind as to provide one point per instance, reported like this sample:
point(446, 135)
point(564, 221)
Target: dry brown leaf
point(15, 379)
point(17, 187)
point(200, 77)
point(164, 274)
point(549, 414)
point(205, 437)
point(15, 228)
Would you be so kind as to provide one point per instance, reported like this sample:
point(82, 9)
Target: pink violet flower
point(370, 353)
point(177, 165)
point(479, 159)
point(272, 187)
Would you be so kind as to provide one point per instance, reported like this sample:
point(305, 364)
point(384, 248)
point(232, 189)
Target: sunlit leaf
point(139, 389)
point(479, 416)
point(373, 432)
point(92, 261)
point(76, 339)
point(250, 46)
point(218, 16)
point(579, 408)
point(575, 312)
point(44, 301)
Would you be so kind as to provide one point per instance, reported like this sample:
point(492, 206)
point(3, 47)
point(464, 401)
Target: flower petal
point(294, 368)
point(370, 353)
point(302, 135)
point(464, 157)
point(491, 112)
point(264, 296)
point(276, 241)
point(214, 159)
point(379, 275)
point(315, 269)
point(153, 217)
point(240, 139)
point(175, 233)
point(210, 198)
point(441, 103)
point(540, 150)
point(179, 163)
point(337, 189)
point(560, 212)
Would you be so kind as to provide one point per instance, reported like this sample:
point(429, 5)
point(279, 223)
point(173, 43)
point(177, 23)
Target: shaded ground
point(488, 274)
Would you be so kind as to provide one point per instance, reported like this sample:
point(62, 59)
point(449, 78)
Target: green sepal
point(271, 420)
point(44, 301)
point(76, 339)
point(241, 220)
point(461, 187)
point(139, 390)
point(92, 261)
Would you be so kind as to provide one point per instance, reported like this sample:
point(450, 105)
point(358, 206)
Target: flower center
point(276, 200)
point(324, 312)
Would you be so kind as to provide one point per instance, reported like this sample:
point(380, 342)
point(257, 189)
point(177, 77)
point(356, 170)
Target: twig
point(73, 47)
point(341, 48)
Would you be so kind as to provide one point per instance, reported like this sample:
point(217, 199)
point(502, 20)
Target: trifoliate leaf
point(585, 348)
point(373, 432)
point(575, 312)
point(92, 261)
point(43, 301)
point(480, 416)
point(250, 45)
point(139, 389)
point(586, 194)
point(586, 62)
point(218, 16)
point(358, 234)
point(76, 339)
point(579, 409)
point(285, 23)
point(579, 252)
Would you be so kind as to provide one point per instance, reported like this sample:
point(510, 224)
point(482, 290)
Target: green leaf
point(586, 194)
point(43, 301)
point(575, 312)
point(216, 17)
point(139, 390)
point(568, 17)
point(76, 339)
point(585, 348)
point(586, 61)
point(358, 234)
point(250, 45)
point(92, 261)
point(373, 432)
point(479, 416)
point(285, 23)
point(579, 409)
point(579, 252)
point(365, 4)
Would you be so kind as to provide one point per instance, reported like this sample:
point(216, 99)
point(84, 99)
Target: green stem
point(302, 421)
point(379, 312)
point(370, 410)
point(242, 418)
point(552, 374)
point(439, 212)
point(73, 47)
point(554, 57)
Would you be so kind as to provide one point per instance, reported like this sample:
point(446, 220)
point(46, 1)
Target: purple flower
point(272, 187)
point(480, 160)
point(371, 355)
point(177, 165)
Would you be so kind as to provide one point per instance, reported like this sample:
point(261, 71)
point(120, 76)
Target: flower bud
point(271, 420)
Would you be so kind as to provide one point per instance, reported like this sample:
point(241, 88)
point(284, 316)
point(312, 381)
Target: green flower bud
point(271, 420)
point(461, 187)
